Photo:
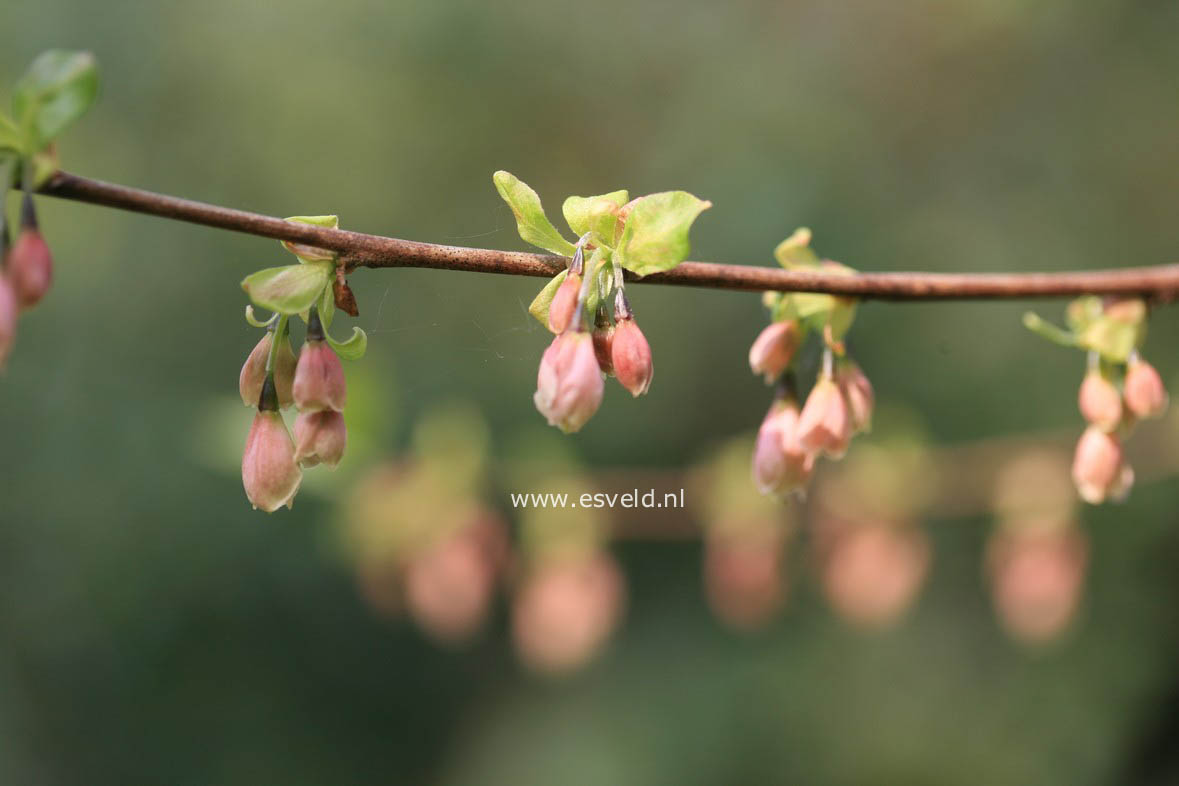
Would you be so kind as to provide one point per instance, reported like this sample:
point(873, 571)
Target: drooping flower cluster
point(570, 381)
point(26, 273)
point(840, 403)
point(1100, 469)
point(271, 380)
point(645, 235)
point(1119, 389)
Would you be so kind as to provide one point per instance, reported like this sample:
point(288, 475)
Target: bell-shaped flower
point(253, 372)
point(1098, 469)
point(780, 464)
point(857, 391)
point(319, 379)
point(30, 265)
point(270, 473)
point(1145, 394)
point(569, 383)
point(825, 424)
point(603, 337)
point(320, 437)
point(1099, 401)
point(563, 308)
point(774, 348)
point(631, 356)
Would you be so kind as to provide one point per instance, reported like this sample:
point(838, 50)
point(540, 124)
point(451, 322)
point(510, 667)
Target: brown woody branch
point(1158, 283)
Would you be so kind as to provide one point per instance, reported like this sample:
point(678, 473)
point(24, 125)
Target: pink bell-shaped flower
point(780, 464)
point(270, 474)
point(774, 348)
point(319, 377)
point(825, 424)
point(253, 372)
point(30, 265)
point(320, 437)
point(569, 382)
point(1098, 469)
point(1145, 394)
point(1099, 401)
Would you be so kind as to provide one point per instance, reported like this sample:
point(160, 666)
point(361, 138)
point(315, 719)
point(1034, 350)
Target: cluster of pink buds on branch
point(642, 235)
point(272, 378)
point(57, 89)
point(1119, 389)
point(841, 401)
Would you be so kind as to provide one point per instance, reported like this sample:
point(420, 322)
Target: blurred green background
point(154, 629)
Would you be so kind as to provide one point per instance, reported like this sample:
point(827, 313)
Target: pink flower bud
point(9, 310)
point(773, 349)
point(320, 437)
point(861, 399)
point(569, 382)
point(780, 465)
point(1097, 466)
point(253, 372)
point(825, 424)
point(269, 472)
point(603, 337)
point(563, 307)
point(1145, 395)
point(30, 267)
point(319, 379)
point(1100, 402)
point(632, 357)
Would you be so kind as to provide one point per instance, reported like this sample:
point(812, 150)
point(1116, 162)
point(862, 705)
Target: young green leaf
point(353, 348)
point(795, 252)
point(655, 237)
point(311, 253)
point(596, 214)
point(57, 89)
point(531, 222)
point(1113, 339)
point(9, 135)
point(290, 289)
point(539, 307)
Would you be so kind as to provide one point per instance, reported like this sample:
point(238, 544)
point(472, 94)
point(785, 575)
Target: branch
point(1158, 283)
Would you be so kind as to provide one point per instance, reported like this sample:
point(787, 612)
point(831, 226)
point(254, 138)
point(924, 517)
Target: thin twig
point(1158, 283)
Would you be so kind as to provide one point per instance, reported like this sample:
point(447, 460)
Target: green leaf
point(1083, 312)
point(290, 289)
point(1113, 339)
point(311, 253)
point(795, 252)
point(841, 317)
point(655, 237)
point(9, 135)
point(531, 222)
point(1047, 330)
point(57, 89)
point(539, 307)
point(353, 348)
point(596, 214)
